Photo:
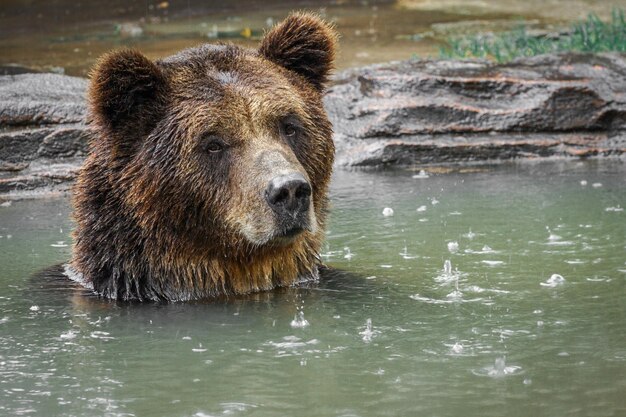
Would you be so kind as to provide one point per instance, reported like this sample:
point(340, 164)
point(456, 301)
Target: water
point(385, 340)
point(68, 36)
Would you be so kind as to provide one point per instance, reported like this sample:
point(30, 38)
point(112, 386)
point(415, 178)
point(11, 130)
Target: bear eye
point(214, 147)
point(210, 143)
point(290, 130)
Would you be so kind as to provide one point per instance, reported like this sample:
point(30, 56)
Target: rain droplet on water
point(405, 253)
point(368, 332)
point(499, 369)
point(299, 322)
point(470, 235)
point(554, 281)
point(457, 348)
point(456, 294)
point(421, 175)
point(453, 246)
point(387, 212)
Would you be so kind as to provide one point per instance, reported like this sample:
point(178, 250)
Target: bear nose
point(288, 194)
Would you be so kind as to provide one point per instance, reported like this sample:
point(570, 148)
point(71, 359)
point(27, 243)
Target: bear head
point(209, 170)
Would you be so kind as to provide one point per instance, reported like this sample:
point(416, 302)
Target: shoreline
point(409, 114)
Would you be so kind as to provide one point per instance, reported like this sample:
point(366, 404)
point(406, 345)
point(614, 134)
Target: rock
point(42, 177)
point(37, 99)
point(43, 136)
point(19, 147)
point(453, 111)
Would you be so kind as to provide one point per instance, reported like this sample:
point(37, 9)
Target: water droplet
point(457, 348)
point(552, 237)
point(554, 281)
point(499, 369)
point(421, 209)
point(199, 348)
point(34, 308)
point(583, 182)
point(596, 185)
point(453, 246)
point(387, 212)
point(69, 335)
point(368, 332)
point(421, 175)
point(470, 235)
point(492, 263)
point(405, 253)
point(299, 322)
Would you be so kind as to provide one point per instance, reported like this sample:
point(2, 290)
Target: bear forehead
point(223, 71)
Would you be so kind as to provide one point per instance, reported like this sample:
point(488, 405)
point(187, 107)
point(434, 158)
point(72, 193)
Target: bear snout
point(289, 197)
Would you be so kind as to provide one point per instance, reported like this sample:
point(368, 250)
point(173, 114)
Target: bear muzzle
point(289, 197)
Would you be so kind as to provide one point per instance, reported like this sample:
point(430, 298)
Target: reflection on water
point(509, 320)
point(67, 36)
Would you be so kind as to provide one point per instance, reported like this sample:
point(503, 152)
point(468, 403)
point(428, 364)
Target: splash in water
point(367, 333)
point(457, 348)
point(456, 294)
point(447, 275)
point(453, 246)
point(299, 322)
point(554, 281)
point(421, 175)
point(499, 369)
point(405, 253)
point(470, 235)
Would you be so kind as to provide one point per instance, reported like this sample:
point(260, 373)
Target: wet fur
point(158, 220)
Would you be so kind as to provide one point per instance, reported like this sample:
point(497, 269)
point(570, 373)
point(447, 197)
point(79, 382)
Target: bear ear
point(126, 93)
point(302, 43)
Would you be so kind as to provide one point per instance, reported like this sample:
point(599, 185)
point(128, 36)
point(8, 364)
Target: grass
point(590, 35)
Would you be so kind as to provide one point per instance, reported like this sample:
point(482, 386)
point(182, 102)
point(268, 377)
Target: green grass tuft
point(590, 35)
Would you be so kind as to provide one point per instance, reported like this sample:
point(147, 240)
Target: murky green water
point(495, 335)
point(68, 36)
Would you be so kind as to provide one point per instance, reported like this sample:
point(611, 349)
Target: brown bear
point(209, 170)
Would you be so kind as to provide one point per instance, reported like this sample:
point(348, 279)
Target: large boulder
point(43, 135)
point(38, 99)
point(425, 111)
